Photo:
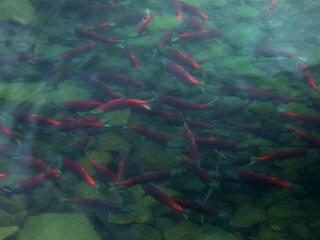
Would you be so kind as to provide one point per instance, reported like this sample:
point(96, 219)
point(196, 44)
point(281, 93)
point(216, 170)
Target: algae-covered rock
point(183, 230)
point(239, 199)
point(16, 203)
point(6, 219)
point(197, 3)
point(118, 118)
point(162, 23)
point(266, 233)
point(7, 231)
point(262, 108)
point(241, 66)
point(246, 11)
point(285, 210)
point(294, 107)
point(53, 226)
point(110, 141)
point(134, 214)
point(144, 232)
point(210, 233)
point(244, 35)
point(220, 3)
point(247, 216)
point(301, 231)
point(18, 11)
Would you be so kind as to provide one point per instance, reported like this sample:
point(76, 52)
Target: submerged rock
point(246, 11)
point(118, 118)
point(18, 11)
point(133, 214)
point(247, 216)
point(111, 142)
point(7, 231)
point(53, 226)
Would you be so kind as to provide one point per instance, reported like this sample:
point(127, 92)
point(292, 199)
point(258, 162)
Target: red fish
point(271, 8)
point(204, 34)
point(166, 39)
point(122, 103)
point(122, 164)
point(194, 24)
point(273, 52)
point(194, 152)
point(193, 10)
point(98, 204)
point(37, 120)
point(104, 171)
point(181, 104)
point(311, 140)
point(76, 119)
point(36, 181)
point(200, 172)
point(251, 176)
point(182, 59)
point(76, 52)
point(307, 75)
point(80, 125)
point(94, 36)
point(109, 90)
point(196, 206)
point(78, 170)
point(58, 77)
point(100, 26)
point(217, 142)
point(163, 198)
point(181, 73)
point(4, 130)
point(146, 178)
point(33, 162)
point(133, 58)
point(144, 23)
point(283, 154)
point(2, 175)
point(305, 117)
point(115, 77)
point(178, 8)
point(152, 134)
point(81, 106)
point(13, 59)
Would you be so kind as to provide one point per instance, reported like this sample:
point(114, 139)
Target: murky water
point(132, 120)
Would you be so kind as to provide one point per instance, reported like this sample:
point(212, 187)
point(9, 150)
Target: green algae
point(18, 11)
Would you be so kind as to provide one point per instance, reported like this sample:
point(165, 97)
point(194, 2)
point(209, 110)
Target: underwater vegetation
point(165, 120)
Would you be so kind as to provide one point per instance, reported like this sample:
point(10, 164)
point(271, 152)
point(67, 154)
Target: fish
point(193, 10)
point(96, 8)
point(181, 104)
point(309, 118)
point(37, 120)
point(283, 154)
point(166, 38)
point(216, 142)
point(2, 175)
point(94, 36)
point(182, 58)
point(34, 163)
point(229, 111)
point(109, 90)
point(200, 172)
point(142, 26)
point(196, 206)
point(178, 8)
point(118, 78)
point(122, 163)
point(98, 27)
point(273, 52)
point(76, 52)
point(163, 198)
point(80, 106)
point(194, 24)
point(132, 58)
point(80, 125)
point(179, 72)
point(145, 178)
point(306, 73)
point(194, 151)
point(104, 171)
point(57, 78)
point(13, 59)
point(78, 170)
point(151, 134)
point(203, 34)
point(96, 203)
point(253, 177)
point(270, 10)
point(120, 104)
point(4, 130)
point(75, 119)
point(313, 141)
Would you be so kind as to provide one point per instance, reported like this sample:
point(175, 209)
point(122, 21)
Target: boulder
point(247, 216)
point(18, 11)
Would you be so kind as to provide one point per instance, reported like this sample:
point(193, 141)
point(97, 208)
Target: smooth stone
point(144, 232)
point(210, 233)
point(5, 232)
point(118, 118)
point(244, 35)
point(54, 226)
point(183, 230)
point(220, 3)
point(162, 23)
point(110, 141)
point(16, 203)
point(18, 11)
point(135, 214)
point(247, 216)
point(241, 66)
point(238, 199)
point(6, 219)
point(246, 11)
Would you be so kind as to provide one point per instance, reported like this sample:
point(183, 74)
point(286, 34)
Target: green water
point(258, 72)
